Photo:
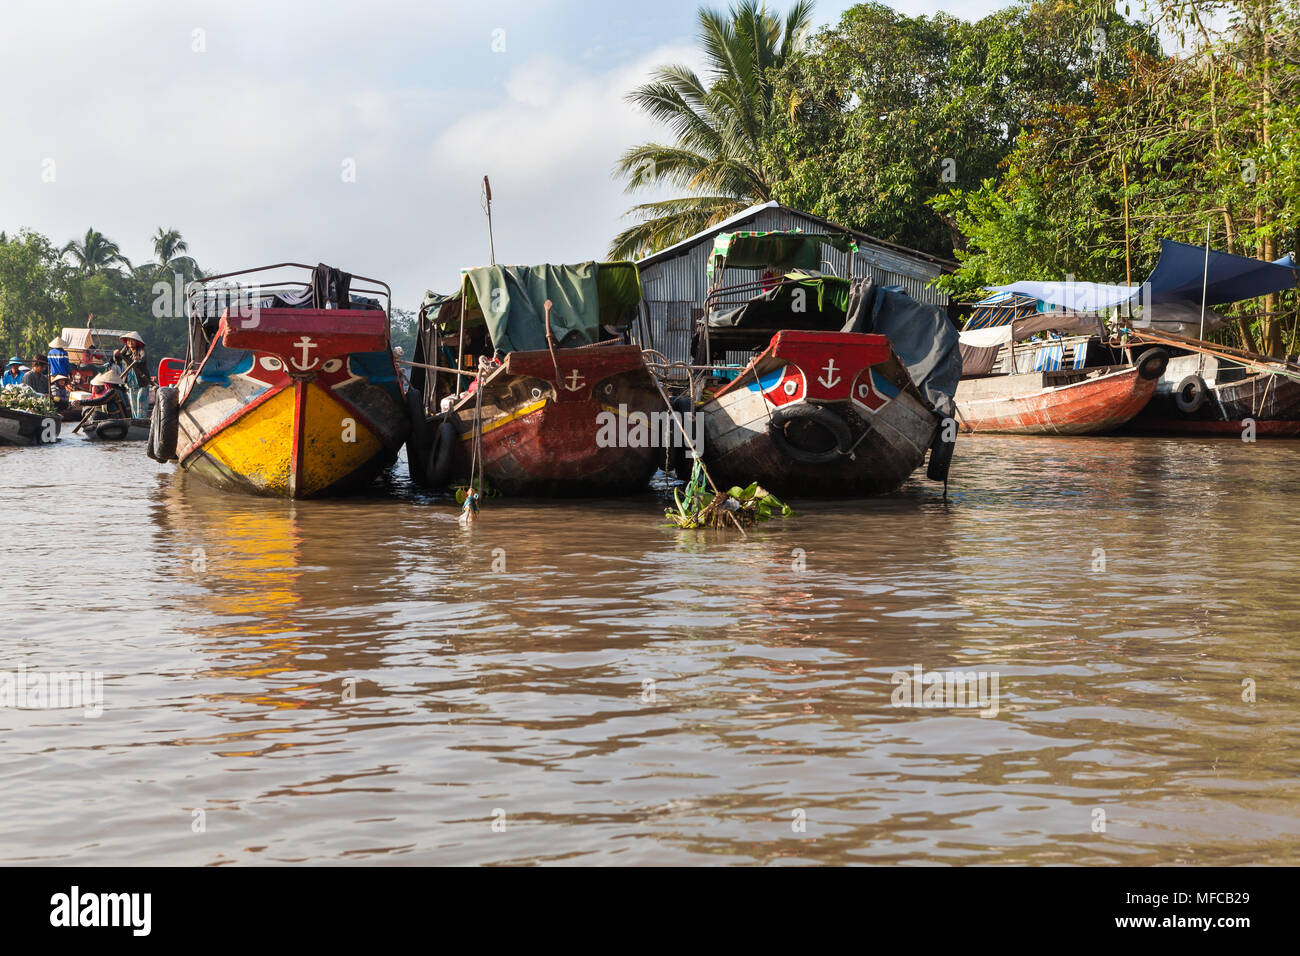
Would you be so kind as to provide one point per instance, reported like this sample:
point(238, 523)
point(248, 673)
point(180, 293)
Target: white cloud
point(241, 147)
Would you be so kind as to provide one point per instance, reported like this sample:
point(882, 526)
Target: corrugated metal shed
point(674, 280)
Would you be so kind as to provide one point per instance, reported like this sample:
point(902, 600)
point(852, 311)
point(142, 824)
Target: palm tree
point(168, 246)
point(95, 253)
point(719, 125)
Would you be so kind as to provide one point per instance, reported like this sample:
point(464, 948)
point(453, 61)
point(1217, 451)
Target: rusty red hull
point(1029, 404)
point(543, 421)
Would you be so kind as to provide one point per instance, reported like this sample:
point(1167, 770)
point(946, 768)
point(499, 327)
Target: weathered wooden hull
point(1027, 404)
point(541, 430)
point(1272, 402)
point(306, 404)
point(121, 429)
point(776, 423)
point(26, 428)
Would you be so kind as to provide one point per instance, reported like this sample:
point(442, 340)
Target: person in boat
point(13, 372)
point(403, 372)
point(59, 391)
point(113, 403)
point(38, 379)
point(58, 357)
point(135, 365)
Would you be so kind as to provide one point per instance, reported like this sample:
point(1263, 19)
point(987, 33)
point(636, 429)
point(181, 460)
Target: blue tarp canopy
point(1177, 277)
point(1181, 271)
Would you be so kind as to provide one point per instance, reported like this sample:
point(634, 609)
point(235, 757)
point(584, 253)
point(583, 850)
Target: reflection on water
point(364, 680)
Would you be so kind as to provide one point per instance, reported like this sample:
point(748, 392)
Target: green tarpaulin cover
point(777, 250)
point(512, 301)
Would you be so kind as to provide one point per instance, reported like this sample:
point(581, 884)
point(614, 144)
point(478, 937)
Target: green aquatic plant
point(739, 507)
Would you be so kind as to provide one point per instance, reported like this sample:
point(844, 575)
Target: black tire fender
point(112, 431)
point(818, 414)
point(1190, 394)
point(164, 425)
point(444, 443)
point(941, 451)
point(1152, 363)
point(419, 441)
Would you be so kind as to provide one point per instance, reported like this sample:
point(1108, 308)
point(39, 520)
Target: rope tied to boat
point(473, 495)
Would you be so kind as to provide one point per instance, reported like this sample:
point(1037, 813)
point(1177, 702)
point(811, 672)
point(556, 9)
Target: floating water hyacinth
point(22, 399)
point(736, 507)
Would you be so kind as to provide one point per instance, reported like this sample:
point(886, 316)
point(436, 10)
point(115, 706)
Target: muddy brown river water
point(364, 681)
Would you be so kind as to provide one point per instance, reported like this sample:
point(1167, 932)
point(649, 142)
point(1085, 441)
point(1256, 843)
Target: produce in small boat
point(27, 418)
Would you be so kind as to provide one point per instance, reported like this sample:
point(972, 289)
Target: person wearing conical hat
point(13, 374)
point(58, 357)
point(113, 402)
point(135, 368)
point(59, 391)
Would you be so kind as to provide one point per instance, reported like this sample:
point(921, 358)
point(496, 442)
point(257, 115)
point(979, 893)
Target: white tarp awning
point(1073, 296)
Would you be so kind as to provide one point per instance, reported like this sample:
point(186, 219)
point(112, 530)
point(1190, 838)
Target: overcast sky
point(242, 135)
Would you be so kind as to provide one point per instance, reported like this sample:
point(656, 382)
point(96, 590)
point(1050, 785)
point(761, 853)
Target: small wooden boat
point(545, 370)
point(814, 385)
point(27, 428)
point(290, 388)
point(1072, 385)
point(1217, 392)
point(117, 429)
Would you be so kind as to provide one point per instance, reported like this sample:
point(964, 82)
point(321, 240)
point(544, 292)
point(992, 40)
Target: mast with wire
point(487, 206)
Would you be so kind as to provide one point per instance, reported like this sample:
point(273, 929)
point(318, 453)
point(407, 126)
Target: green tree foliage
point(885, 112)
point(719, 124)
point(33, 292)
point(1208, 137)
point(44, 289)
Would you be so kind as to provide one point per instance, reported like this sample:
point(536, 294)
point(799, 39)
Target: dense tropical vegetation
point(44, 288)
point(1052, 138)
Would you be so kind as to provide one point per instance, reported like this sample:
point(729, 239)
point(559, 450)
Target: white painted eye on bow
point(790, 387)
point(271, 363)
point(537, 392)
point(863, 389)
point(333, 365)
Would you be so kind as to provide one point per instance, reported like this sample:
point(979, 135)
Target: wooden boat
point(1203, 389)
point(289, 388)
point(21, 428)
point(1219, 394)
point(117, 429)
point(803, 389)
point(1074, 385)
point(535, 414)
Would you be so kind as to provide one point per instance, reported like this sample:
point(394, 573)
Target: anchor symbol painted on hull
point(830, 378)
point(575, 381)
point(305, 345)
